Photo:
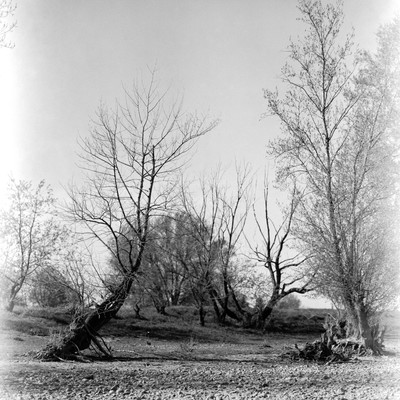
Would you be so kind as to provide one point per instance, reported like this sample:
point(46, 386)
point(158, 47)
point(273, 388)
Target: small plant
point(55, 335)
point(335, 344)
point(187, 348)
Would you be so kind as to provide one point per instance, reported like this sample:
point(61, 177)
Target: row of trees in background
point(192, 256)
point(171, 243)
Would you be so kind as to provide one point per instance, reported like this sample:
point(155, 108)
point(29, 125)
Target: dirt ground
point(150, 368)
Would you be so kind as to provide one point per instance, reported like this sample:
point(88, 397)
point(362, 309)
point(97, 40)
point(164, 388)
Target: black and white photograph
point(200, 199)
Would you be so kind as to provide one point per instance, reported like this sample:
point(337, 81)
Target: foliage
point(190, 255)
point(32, 235)
point(166, 273)
point(336, 148)
point(163, 279)
point(50, 288)
point(290, 302)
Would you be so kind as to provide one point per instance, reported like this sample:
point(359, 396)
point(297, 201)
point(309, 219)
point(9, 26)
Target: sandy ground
point(156, 369)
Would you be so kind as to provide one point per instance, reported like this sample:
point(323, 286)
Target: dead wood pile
point(334, 345)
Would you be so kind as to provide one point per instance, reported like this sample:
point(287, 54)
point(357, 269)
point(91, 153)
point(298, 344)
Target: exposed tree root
point(66, 349)
point(84, 329)
point(334, 346)
point(320, 351)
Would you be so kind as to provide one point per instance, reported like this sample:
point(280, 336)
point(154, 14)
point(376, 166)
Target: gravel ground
point(167, 370)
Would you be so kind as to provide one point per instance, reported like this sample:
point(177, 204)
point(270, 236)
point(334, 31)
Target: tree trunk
point(369, 336)
point(221, 307)
point(10, 305)
point(213, 297)
point(365, 330)
point(248, 320)
point(160, 308)
point(13, 295)
point(175, 297)
point(137, 311)
point(246, 317)
point(202, 315)
point(266, 312)
point(84, 329)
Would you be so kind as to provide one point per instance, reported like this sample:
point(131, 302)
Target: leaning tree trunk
point(13, 295)
point(265, 313)
point(213, 298)
point(221, 307)
point(84, 329)
point(10, 305)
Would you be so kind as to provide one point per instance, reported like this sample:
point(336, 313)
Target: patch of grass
point(169, 327)
point(180, 324)
point(27, 324)
point(59, 315)
point(188, 314)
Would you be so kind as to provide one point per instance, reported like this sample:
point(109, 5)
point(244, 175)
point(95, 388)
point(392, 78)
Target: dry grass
point(173, 357)
point(180, 324)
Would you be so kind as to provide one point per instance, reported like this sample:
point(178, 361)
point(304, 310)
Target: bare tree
point(31, 233)
point(284, 265)
point(335, 146)
point(235, 209)
point(130, 159)
point(80, 272)
point(201, 223)
point(217, 222)
point(80, 276)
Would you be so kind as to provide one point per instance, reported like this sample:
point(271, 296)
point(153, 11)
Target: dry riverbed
point(163, 369)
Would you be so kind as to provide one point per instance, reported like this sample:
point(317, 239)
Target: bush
point(290, 302)
point(51, 289)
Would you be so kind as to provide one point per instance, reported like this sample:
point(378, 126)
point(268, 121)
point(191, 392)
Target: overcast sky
point(217, 54)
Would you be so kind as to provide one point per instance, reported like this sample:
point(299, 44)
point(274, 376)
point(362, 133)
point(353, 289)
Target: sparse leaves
point(337, 117)
point(30, 232)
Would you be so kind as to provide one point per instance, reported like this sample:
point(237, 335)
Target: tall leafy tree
point(336, 116)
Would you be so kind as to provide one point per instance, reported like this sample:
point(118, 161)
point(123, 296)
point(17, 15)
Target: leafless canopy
point(284, 265)
point(130, 159)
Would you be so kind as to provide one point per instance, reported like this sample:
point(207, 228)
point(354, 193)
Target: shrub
point(51, 289)
point(290, 302)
